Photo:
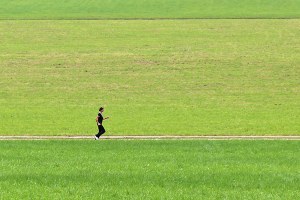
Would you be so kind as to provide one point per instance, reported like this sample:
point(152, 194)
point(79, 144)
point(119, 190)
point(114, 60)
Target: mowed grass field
point(155, 77)
point(149, 169)
point(132, 9)
point(205, 77)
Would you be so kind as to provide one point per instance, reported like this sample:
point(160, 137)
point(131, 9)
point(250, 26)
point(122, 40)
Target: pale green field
point(99, 9)
point(150, 169)
point(192, 77)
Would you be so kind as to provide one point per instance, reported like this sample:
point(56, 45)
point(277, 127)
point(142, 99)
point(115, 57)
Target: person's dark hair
point(101, 108)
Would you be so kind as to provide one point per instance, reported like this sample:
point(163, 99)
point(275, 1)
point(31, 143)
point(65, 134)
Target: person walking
point(99, 120)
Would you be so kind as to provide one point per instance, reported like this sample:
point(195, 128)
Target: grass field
point(99, 9)
point(179, 77)
point(198, 68)
point(149, 169)
point(154, 77)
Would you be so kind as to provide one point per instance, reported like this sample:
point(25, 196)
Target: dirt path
point(152, 137)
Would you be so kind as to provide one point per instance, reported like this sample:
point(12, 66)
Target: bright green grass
point(97, 9)
point(223, 77)
point(149, 169)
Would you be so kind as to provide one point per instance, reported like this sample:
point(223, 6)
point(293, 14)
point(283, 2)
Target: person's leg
point(102, 130)
point(99, 131)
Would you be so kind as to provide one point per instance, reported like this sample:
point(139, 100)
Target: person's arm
point(105, 118)
point(97, 120)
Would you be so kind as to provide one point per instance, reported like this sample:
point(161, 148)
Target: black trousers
point(101, 130)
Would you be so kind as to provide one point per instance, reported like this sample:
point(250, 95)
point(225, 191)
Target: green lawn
point(149, 169)
point(205, 77)
point(99, 9)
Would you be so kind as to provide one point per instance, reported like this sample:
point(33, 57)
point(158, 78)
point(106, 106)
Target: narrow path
point(135, 137)
point(145, 18)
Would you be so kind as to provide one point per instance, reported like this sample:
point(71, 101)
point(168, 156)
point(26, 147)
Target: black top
point(100, 118)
